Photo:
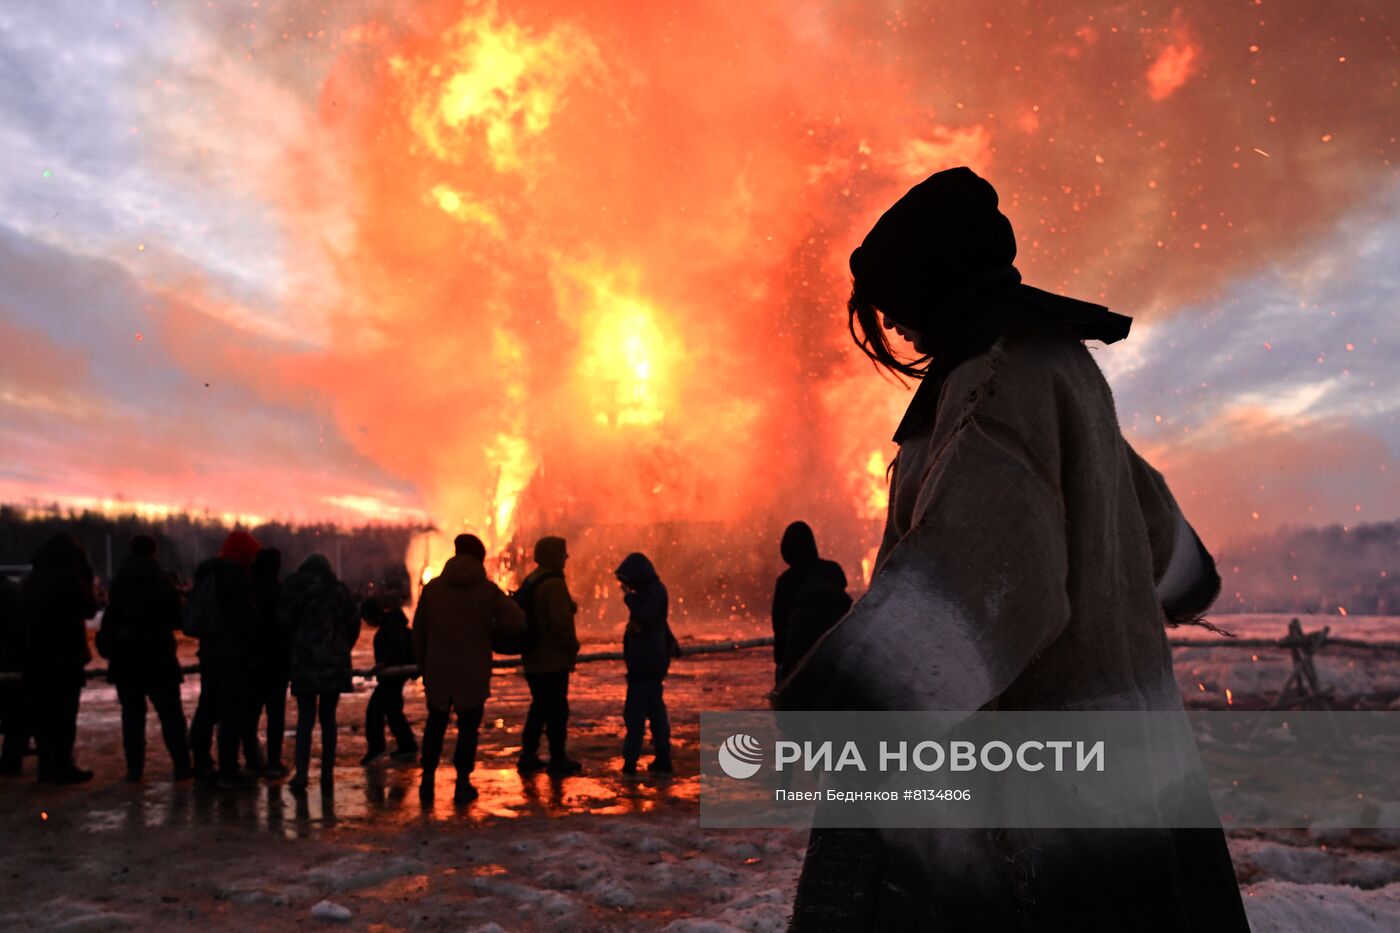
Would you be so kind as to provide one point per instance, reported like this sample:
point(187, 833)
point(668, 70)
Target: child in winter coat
point(393, 647)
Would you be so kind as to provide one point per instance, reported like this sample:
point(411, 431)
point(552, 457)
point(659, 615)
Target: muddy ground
point(593, 851)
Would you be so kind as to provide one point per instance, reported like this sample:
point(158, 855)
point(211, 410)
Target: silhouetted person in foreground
point(272, 665)
point(137, 638)
point(647, 649)
point(460, 615)
point(325, 621)
point(553, 649)
point(809, 598)
point(57, 602)
point(393, 647)
point(1029, 562)
point(14, 723)
point(222, 613)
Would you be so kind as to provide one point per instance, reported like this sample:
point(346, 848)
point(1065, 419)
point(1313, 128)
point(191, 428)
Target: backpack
point(525, 599)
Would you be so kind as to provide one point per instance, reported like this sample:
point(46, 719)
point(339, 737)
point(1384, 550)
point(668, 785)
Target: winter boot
point(563, 766)
point(235, 780)
point(529, 764)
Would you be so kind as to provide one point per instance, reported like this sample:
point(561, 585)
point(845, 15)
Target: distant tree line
point(716, 571)
point(360, 555)
point(1355, 568)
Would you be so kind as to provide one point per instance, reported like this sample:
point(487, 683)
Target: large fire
point(589, 259)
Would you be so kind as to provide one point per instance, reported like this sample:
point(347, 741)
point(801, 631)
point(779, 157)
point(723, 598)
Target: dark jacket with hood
point(325, 622)
point(460, 614)
point(647, 643)
point(138, 628)
point(57, 602)
point(554, 610)
point(809, 598)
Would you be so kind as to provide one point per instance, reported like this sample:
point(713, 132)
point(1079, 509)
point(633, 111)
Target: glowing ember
point(1169, 72)
point(458, 206)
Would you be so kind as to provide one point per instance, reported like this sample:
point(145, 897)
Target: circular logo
point(740, 756)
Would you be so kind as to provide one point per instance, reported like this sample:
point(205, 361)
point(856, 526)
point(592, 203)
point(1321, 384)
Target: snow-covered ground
point(1254, 674)
point(583, 853)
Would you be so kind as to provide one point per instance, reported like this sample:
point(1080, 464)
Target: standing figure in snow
point(138, 639)
point(647, 649)
point(222, 613)
point(272, 653)
point(14, 723)
point(57, 602)
point(548, 659)
point(809, 597)
point(325, 621)
point(1030, 561)
point(461, 614)
point(393, 647)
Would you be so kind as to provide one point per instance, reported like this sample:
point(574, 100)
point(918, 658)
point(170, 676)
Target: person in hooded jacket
point(393, 647)
point(1030, 561)
point(272, 659)
point(14, 724)
point(137, 638)
point(549, 661)
point(325, 622)
point(461, 615)
point(57, 600)
point(222, 613)
point(647, 649)
point(809, 597)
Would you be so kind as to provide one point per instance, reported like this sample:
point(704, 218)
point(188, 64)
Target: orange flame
point(597, 279)
point(496, 85)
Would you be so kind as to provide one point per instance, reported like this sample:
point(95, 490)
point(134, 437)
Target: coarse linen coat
point(1027, 559)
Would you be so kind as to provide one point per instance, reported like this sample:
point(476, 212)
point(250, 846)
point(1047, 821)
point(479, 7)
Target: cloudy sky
point(388, 260)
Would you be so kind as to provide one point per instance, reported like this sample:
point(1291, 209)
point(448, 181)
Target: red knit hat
point(240, 546)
